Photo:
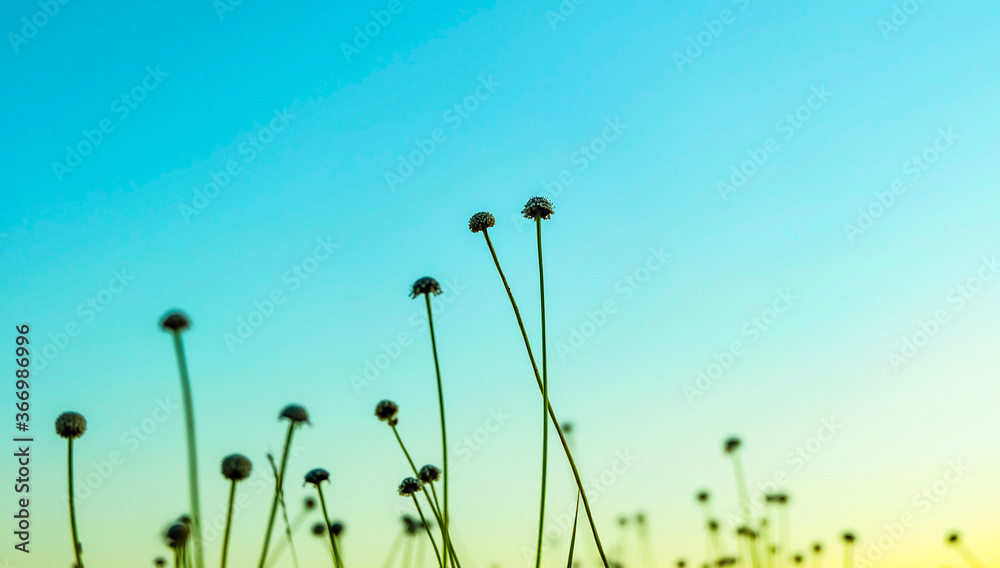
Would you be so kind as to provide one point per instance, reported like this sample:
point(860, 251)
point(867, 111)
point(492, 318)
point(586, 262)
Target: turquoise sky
point(799, 202)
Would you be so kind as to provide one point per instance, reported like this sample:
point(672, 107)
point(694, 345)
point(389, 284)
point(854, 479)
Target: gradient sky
point(653, 269)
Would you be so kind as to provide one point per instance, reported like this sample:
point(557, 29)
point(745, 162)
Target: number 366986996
point(21, 374)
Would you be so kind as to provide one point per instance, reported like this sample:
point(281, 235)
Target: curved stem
point(338, 563)
point(552, 414)
point(435, 508)
point(192, 450)
point(413, 466)
point(444, 435)
point(428, 529)
point(278, 483)
point(229, 523)
point(545, 397)
point(72, 507)
point(279, 549)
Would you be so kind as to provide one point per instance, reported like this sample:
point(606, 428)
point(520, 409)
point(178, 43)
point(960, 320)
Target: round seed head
point(953, 538)
point(317, 476)
point(295, 413)
point(538, 208)
point(622, 521)
point(71, 425)
point(175, 321)
point(411, 525)
point(817, 548)
point(177, 535)
point(797, 558)
point(318, 529)
point(681, 563)
point(386, 410)
point(409, 487)
point(160, 562)
point(481, 221)
point(713, 525)
point(702, 496)
point(429, 474)
point(236, 467)
point(185, 520)
point(732, 444)
point(425, 285)
point(726, 561)
point(336, 528)
point(849, 537)
point(310, 504)
point(567, 428)
point(640, 518)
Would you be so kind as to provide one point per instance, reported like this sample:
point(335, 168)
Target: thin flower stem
point(229, 523)
point(435, 508)
point(552, 414)
point(72, 507)
point(279, 483)
point(545, 396)
point(428, 529)
point(192, 450)
point(849, 555)
point(284, 515)
point(444, 435)
point(405, 452)
point(408, 555)
point(394, 548)
point(177, 558)
point(279, 549)
point(338, 563)
point(572, 538)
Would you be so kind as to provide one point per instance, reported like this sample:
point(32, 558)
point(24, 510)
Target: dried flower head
point(310, 504)
point(481, 221)
point(409, 486)
point(317, 476)
point(386, 410)
point(160, 561)
point(425, 285)
point(726, 561)
point(236, 467)
point(429, 473)
point(702, 496)
point(567, 428)
point(411, 525)
point(713, 525)
point(746, 531)
point(319, 529)
point(681, 563)
point(71, 425)
point(295, 413)
point(640, 518)
point(184, 519)
point(175, 321)
point(336, 528)
point(953, 538)
point(177, 535)
point(797, 558)
point(538, 208)
point(732, 444)
point(817, 548)
point(848, 537)
point(622, 521)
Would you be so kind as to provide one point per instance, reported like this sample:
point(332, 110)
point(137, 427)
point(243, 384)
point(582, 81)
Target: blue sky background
point(558, 81)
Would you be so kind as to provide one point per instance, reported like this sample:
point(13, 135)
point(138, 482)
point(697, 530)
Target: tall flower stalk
point(409, 488)
point(279, 549)
point(177, 322)
point(848, 550)
point(538, 208)
point(284, 514)
point(316, 477)
point(235, 468)
point(481, 222)
point(296, 416)
point(72, 425)
point(426, 287)
point(956, 541)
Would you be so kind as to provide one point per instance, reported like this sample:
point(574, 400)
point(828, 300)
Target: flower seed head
point(425, 285)
point(848, 537)
point(177, 535)
point(160, 562)
point(236, 467)
point(817, 548)
point(318, 529)
point(703, 496)
point(732, 444)
point(429, 474)
point(481, 221)
point(797, 558)
point(409, 487)
point(953, 538)
point(310, 504)
point(713, 525)
point(681, 563)
point(538, 208)
point(622, 521)
point(386, 410)
point(336, 528)
point(71, 425)
point(412, 525)
point(175, 321)
point(317, 476)
point(640, 518)
point(295, 413)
